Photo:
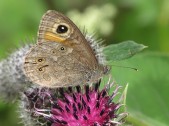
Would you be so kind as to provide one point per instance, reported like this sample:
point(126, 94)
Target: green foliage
point(124, 50)
point(103, 26)
point(144, 21)
point(8, 115)
point(147, 97)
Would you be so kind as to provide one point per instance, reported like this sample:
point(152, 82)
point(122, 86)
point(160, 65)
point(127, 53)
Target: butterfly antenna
point(126, 67)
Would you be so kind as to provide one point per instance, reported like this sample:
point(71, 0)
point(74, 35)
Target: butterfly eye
point(62, 49)
point(41, 69)
point(61, 29)
point(40, 60)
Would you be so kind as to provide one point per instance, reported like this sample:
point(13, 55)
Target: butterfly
point(62, 56)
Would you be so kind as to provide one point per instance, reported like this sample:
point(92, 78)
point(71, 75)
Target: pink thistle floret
point(85, 106)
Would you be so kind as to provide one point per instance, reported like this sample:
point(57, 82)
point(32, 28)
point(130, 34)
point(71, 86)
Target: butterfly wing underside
point(51, 20)
point(62, 55)
point(47, 65)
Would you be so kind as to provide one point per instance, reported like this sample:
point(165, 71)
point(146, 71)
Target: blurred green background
point(144, 21)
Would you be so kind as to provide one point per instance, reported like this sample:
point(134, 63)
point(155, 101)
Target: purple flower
point(74, 106)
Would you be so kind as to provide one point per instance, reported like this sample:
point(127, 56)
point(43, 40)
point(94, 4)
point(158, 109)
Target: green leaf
point(124, 50)
point(122, 109)
point(123, 97)
point(147, 97)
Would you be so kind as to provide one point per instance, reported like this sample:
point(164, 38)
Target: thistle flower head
point(79, 106)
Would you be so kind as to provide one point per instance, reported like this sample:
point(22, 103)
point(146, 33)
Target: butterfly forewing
point(62, 55)
point(73, 37)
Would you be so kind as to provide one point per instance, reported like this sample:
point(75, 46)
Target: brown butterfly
point(62, 55)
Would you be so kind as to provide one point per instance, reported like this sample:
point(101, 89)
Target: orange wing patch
point(53, 37)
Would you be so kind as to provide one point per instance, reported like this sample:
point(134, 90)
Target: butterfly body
point(62, 55)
